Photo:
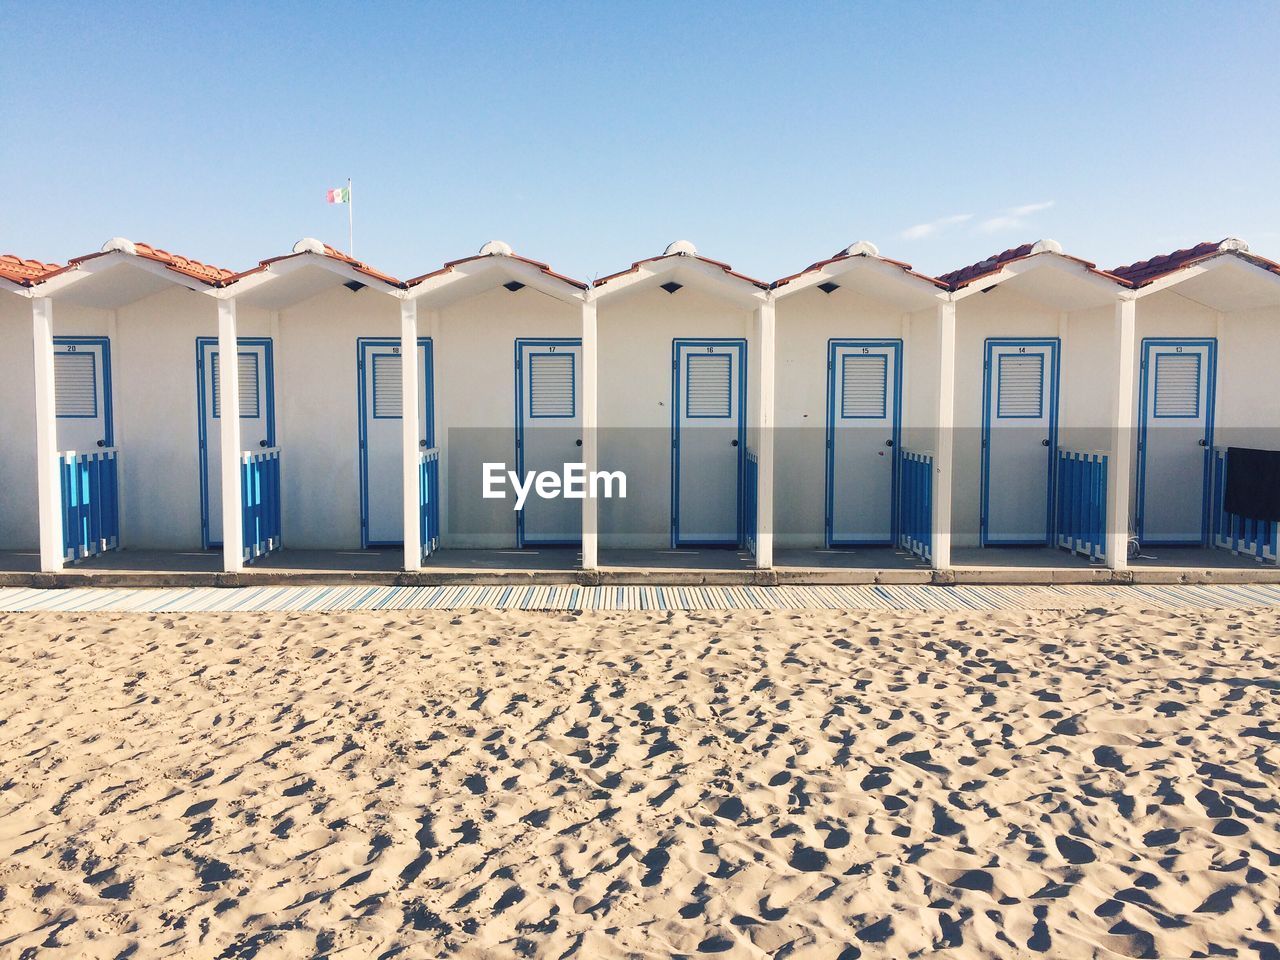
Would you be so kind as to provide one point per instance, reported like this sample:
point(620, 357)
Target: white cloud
point(922, 230)
point(1013, 218)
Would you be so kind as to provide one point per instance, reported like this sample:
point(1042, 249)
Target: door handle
point(262, 443)
point(1044, 443)
point(422, 443)
point(733, 443)
point(888, 443)
point(579, 441)
point(1203, 442)
point(102, 443)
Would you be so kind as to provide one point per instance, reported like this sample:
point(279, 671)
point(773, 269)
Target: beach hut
point(1208, 346)
point(1040, 363)
point(508, 393)
point(685, 400)
point(321, 404)
point(115, 402)
point(856, 405)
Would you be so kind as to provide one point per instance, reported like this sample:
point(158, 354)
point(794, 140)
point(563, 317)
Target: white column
point(944, 455)
point(766, 333)
point(411, 405)
point(229, 422)
point(48, 471)
point(590, 429)
point(1122, 419)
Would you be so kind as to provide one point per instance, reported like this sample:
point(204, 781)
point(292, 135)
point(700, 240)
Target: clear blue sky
point(590, 135)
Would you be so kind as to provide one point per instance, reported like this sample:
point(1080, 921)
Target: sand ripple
point(1100, 784)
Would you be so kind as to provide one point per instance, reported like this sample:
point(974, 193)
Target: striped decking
point(565, 597)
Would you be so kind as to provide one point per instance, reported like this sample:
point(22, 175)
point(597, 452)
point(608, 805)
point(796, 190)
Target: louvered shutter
point(551, 393)
point(387, 386)
point(1020, 394)
point(864, 386)
point(249, 399)
point(75, 382)
point(709, 385)
point(1177, 385)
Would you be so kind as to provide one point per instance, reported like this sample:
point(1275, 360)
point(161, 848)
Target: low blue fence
point(1082, 503)
point(429, 499)
point(260, 502)
point(751, 501)
point(1254, 538)
point(915, 503)
point(90, 503)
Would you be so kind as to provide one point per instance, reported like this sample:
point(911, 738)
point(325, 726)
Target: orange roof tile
point(26, 272)
point(204, 272)
point(957, 279)
point(333, 253)
point(1145, 271)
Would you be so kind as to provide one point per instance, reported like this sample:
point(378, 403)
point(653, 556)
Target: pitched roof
point(1145, 271)
point(690, 256)
point(847, 255)
point(196, 269)
point(997, 262)
point(25, 272)
point(536, 264)
point(323, 250)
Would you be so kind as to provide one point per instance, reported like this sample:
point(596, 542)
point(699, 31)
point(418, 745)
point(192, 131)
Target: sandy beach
point(499, 784)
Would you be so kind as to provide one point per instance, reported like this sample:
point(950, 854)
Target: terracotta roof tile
point(448, 267)
point(333, 253)
point(966, 275)
point(1145, 271)
point(845, 255)
point(696, 256)
point(18, 270)
point(207, 273)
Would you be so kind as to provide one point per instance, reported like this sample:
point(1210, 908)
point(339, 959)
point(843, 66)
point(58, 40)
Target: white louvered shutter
point(551, 393)
point(1177, 385)
point(75, 381)
point(249, 398)
point(864, 386)
point(387, 386)
point(1020, 394)
point(708, 392)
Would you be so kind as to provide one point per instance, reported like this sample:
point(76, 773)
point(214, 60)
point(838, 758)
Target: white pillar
point(944, 455)
point(766, 333)
point(590, 429)
point(48, 471)
point(229, 422)
point(411, 405)
point(1122, 419)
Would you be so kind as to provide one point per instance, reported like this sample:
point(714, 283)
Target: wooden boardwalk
point(570, 597)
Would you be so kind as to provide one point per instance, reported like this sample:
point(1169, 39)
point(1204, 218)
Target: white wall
point(475, 400)
point(806, 322)
point(19, 512)
point(317, 412)
point(636, 331)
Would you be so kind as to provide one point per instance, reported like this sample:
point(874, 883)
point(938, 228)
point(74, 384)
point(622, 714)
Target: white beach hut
point(507, 389)
point(1040, 348)
point(685, 395)
point(856, 406)
point(1206, 355)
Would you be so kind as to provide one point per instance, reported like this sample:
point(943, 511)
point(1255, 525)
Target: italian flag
point(340, 195)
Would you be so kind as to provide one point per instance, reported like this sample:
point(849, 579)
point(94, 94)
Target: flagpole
point(351, 220)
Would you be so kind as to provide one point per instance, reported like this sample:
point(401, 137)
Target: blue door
point(1019, 440)
point(548, 436)
point(257, 418)
point(380, 399)
point(1175, 440)
point(864, 384)
point(709, 441)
